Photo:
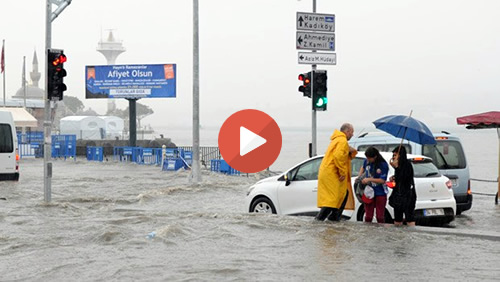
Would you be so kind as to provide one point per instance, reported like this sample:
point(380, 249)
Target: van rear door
point(449, 157)
point(7, 150)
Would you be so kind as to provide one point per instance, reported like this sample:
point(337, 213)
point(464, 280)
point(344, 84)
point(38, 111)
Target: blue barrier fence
point(31, 145)
point(95, 153)
point(175, 158)
point(63, 146)
point(33, 150)
point(30, 137)
point(223, 167)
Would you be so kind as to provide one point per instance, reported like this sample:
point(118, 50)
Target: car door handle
point(315, 189)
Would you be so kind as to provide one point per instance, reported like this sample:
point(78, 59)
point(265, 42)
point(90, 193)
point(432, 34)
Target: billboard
point(130, 81)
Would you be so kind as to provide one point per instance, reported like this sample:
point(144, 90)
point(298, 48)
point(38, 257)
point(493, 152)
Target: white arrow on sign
point(249, 141)
point(315, 41)
point(317, 58)
point(316, 22)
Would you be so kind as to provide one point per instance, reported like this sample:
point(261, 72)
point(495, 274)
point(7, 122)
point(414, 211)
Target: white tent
point(114, 126)
point(21, 117)
point(84, 127)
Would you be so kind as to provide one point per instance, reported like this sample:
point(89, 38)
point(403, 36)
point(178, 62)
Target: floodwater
point(97, 226)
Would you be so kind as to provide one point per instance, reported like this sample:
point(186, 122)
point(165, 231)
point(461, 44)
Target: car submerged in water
point(294, 192)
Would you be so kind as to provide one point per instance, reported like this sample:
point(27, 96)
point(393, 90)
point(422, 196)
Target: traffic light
point(305, 88)
point(55, 74)
point(320, 99)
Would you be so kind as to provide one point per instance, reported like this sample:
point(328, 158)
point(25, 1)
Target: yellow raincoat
point(336, 163)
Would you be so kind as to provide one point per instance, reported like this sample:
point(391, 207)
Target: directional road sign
point(309, 58)
point(315, 41)
point(315, 22)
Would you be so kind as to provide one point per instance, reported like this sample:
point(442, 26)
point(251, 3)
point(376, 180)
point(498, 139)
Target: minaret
point(110, 48)
point(35, 74)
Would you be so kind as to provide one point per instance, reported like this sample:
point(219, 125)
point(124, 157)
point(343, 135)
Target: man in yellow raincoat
point(334, 177)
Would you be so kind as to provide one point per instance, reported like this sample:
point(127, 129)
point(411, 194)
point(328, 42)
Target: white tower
point(110, 48)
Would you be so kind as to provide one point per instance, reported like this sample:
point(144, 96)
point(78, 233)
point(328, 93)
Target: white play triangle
point(249, 141)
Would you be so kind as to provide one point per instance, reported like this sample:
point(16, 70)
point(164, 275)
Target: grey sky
point(439, 58)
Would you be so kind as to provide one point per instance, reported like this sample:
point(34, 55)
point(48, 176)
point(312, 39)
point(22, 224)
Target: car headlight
point(250, 190)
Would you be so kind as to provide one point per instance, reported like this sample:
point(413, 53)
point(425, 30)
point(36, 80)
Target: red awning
point(484, 120)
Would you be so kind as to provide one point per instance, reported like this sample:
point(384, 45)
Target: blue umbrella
point(406, 127)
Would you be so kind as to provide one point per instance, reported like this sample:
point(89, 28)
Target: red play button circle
point(250, 141)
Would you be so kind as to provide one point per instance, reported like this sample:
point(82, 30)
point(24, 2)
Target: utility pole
point(47, 124)
point(195, 172)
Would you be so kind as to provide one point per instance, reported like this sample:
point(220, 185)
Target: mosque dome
point(32, 92)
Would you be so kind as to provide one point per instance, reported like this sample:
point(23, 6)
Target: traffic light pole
point(314, 125)
point(47, 123)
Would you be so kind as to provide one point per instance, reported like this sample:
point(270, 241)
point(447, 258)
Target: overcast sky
point(439, 58)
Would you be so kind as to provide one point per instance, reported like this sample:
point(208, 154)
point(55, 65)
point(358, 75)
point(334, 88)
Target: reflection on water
point(97, 228)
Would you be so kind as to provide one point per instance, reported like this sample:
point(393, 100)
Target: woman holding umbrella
point(403, 197)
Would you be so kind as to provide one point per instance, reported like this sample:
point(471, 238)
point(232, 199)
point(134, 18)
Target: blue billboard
point(130, 81)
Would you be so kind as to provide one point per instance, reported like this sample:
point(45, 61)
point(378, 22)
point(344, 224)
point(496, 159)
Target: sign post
point(315, 32)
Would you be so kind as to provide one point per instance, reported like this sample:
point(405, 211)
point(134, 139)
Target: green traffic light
point(321, 102)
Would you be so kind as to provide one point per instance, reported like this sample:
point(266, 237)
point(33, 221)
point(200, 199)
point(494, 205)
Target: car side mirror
point(287, 180)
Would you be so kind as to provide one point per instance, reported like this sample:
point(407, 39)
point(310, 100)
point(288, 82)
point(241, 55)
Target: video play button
point(250, 141)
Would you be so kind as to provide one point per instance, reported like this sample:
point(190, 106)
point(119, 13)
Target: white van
point(9, 159)
point(447, 155)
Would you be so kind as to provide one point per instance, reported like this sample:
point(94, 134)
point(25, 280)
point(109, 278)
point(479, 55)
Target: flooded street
point(97, 226)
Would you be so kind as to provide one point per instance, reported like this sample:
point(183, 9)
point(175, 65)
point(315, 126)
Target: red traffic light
point(304, 78)
point(59, 60)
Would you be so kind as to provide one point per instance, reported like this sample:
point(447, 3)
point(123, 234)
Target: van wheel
point(262, 205)
point(361, 215)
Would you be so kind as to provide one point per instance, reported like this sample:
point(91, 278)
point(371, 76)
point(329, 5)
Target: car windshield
point(424, 168)
point(446, 154)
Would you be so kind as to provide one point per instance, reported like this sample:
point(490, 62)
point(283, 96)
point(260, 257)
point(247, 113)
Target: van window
point(6, 141)
point(446, 154)
point(384, 147)
point(380, 147)
point(394, 146)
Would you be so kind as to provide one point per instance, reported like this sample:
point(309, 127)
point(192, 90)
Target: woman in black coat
point(403, 197)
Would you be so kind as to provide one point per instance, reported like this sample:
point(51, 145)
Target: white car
point(294, 192)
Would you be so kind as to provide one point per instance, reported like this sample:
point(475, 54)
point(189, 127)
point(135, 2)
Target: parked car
point(9, 159)
point(447, 155)
point(294, 192)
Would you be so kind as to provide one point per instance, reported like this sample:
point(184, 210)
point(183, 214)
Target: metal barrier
point(207, 153)
point(33, 150)
point(30, 144)
point(126, 154)
point(149, 156)
point(94, 153)
point(63, 146)
point(223, 167)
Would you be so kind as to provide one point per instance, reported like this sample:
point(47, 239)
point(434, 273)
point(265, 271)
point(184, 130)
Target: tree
point(73, 104)
point(142, 111)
